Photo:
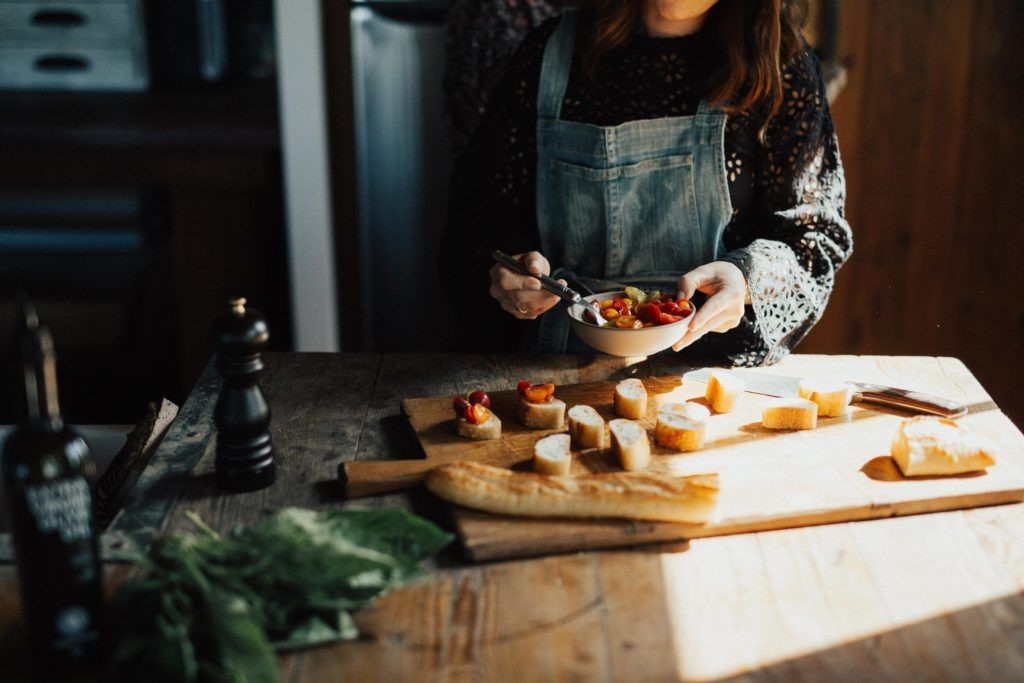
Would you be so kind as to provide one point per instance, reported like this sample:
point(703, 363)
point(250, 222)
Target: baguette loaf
point(547, 415)
point(934, 445)
point(682, 426)
point(551, 455)
point(832, 398)
point(790, 413)
point(723, 390)
point(491, 429)
point(632, 496)
point(631, 444)
point(631, 399)
point(586, 427)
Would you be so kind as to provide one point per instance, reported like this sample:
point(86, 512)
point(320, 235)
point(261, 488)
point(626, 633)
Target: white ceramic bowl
point(616, 341)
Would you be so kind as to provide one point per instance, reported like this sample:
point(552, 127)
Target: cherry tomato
point(460, 404)
point(539, 393)
point(648, 313)
point(522, 387)
point(480, 397)
point(477, 413)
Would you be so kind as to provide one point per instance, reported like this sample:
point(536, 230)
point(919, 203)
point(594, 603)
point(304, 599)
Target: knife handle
point(908, 400)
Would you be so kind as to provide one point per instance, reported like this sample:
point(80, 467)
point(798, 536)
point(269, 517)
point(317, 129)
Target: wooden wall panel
point(929, 134)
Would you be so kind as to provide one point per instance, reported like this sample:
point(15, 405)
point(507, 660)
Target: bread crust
point(631, 399)
point(790, 413)
point(723, 390)
point(481, 432)
point(679, 432)
point(632, 496)
point(633, 455)
point(937, 446)
point(833, 398)
point(547, 415)
point(586, 427)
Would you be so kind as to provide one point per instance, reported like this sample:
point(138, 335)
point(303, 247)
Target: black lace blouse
point(788, 233)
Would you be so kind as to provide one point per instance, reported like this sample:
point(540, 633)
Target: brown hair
point(753, 40)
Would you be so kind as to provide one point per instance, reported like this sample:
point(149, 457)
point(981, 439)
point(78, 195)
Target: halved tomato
point(648, 313)
point(477, 413)
point(539, 393)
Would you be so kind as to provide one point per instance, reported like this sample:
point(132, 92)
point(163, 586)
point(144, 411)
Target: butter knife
point(914, 401)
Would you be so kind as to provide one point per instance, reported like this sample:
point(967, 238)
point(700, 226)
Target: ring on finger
point(519, 307)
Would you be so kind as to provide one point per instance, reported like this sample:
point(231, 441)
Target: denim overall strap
point(554, 72)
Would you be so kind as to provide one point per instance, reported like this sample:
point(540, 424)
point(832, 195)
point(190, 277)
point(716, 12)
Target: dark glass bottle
point(48, 474)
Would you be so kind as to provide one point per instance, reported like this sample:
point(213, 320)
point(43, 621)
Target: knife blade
point(780, 385)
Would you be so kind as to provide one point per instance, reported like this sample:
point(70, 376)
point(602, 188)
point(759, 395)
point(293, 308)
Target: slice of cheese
point(936, 446)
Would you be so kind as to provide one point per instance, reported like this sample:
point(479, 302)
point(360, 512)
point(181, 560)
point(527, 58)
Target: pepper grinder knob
point(245, 451)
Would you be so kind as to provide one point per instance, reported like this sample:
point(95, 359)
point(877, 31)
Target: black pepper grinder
point(245, 453)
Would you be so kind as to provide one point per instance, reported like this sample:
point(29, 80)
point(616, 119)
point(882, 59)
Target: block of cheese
point(723, 390)
point(790, 413)
point(631, 444)
point(935, 445)
point(832, 397)
point(551, 455)
point(586, 427)
point(631, 399)
point(547, 415)
point(682, 426)
point(491, 429)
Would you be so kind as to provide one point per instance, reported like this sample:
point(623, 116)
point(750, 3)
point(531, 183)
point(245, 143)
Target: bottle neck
point(40, 377)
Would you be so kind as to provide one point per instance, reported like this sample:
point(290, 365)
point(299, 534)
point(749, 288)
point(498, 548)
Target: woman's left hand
point(727, 294)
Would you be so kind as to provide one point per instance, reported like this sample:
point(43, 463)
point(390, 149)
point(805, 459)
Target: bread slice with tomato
point(538, 407)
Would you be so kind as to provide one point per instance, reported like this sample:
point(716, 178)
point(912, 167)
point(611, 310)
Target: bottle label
point(62, 507)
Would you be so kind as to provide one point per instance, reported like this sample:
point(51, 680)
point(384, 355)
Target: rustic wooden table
point(925, 597)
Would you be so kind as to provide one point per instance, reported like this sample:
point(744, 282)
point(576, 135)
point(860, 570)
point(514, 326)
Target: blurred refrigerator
point(402, 169)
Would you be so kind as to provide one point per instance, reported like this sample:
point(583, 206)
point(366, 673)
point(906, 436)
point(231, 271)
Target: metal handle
point(909, 400)
point(546, 282)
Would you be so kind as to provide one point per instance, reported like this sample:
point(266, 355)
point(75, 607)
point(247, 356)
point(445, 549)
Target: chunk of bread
point(631, 399)
point(631, 444)
point(723, 390)
point(481, 432)
point(551, 455)
point(635, 495)
point(586, 427)
point(682, 426)
point(833, 398)
point(935, 445)
point(547, 415)
point(790, 413)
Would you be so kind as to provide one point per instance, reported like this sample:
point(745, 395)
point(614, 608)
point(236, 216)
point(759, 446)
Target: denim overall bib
point(640, 203)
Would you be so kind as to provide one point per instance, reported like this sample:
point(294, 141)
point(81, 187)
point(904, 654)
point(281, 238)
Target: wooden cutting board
point(840, 471)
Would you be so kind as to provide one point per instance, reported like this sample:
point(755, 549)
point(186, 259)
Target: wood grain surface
point(840, 471)
point(925, 597)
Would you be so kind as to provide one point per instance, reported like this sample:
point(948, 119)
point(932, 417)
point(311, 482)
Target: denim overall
point(640, 203)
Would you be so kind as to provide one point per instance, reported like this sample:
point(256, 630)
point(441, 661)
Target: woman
point(681, 144)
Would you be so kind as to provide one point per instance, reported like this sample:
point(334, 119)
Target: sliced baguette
point(682, 426)
point(547, 415)
point(551, 455)
point(832, 397)
point(586, 427)
point(631, 444)
point(633, 496)
point(723, 390)
point(790, 412)
point(934, 445)
point(631, 399)
point(491, 429)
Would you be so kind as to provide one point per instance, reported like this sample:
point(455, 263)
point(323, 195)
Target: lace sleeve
point(798, 236)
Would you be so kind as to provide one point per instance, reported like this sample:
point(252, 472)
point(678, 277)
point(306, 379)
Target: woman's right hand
point(521, 295)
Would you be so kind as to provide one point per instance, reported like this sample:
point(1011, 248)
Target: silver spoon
point(551, 285)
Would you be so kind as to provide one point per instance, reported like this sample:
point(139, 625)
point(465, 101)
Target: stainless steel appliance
point(402, 170)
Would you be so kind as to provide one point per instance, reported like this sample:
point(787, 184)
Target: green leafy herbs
point(213, 608)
